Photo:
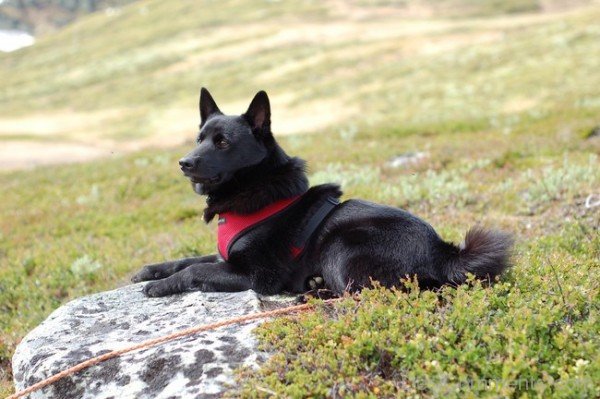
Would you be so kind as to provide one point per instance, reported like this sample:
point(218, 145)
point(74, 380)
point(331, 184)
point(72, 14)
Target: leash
point(156, 341)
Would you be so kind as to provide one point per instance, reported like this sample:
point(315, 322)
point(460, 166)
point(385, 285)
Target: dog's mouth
point(205, 180)
point(203, 185)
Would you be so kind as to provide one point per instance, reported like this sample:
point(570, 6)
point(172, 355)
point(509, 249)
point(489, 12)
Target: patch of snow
point(11, 40)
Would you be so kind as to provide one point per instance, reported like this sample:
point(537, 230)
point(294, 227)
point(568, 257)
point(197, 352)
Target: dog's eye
point(222, 144)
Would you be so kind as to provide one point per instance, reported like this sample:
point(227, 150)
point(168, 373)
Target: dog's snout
point(186, 163)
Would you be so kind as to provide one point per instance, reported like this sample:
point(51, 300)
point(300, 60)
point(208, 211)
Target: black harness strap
point(314, 222)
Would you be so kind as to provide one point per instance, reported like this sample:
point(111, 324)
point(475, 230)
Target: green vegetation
point(499, 107)
point(508, 341)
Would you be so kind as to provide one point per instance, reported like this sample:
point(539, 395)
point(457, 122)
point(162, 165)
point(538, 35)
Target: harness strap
point(312, 224)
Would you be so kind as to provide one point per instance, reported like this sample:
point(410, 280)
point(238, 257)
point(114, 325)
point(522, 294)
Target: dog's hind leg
point(208, 277)
point(159, 271)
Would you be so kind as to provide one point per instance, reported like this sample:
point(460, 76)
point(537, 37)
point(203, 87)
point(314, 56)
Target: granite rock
point(197, 366)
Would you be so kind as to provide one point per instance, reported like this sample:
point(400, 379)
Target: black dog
point(276, 233)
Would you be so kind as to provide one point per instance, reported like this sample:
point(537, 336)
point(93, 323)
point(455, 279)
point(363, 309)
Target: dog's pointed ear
point(208, 106)
point(259, 113)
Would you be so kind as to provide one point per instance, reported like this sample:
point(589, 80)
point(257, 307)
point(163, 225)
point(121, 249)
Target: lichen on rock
point(198, 366)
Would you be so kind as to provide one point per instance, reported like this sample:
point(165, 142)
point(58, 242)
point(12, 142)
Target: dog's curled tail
point(484, 253)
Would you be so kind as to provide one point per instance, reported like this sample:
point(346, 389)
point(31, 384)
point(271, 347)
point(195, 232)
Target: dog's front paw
point(150, 272)
point(160, 288)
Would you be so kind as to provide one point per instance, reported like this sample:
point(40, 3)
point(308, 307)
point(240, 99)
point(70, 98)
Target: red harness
point(233, 225)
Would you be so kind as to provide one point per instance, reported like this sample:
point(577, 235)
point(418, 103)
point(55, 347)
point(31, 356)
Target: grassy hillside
point(115, 83)
point(500, 107)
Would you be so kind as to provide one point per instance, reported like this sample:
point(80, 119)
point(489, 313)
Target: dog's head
point(227, 144)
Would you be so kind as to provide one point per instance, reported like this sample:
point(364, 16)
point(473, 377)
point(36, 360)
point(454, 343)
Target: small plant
point(561, 183)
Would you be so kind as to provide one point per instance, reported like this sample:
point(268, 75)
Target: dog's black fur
point(240, 167)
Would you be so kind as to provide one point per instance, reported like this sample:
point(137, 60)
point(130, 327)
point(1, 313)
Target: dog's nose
point(186, 163)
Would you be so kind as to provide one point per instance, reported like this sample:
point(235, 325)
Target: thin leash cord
point(156, 341)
